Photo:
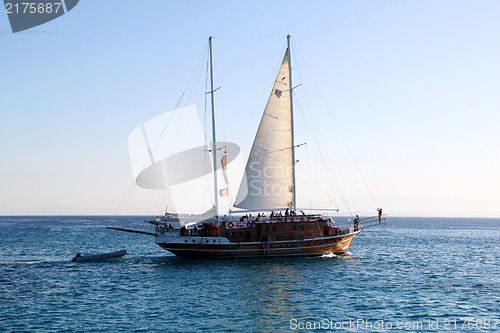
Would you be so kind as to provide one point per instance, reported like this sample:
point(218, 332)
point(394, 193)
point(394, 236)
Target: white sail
point(268, 181)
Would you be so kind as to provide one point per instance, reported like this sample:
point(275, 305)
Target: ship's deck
point(289, 228)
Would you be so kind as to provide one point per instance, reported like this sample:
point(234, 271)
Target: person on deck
point(356, 223)
point(379, 215)
point(286, 212)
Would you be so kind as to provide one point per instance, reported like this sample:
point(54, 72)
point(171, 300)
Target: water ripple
point(414, 270)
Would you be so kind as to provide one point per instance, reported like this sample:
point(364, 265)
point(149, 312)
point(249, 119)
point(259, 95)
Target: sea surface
point(412, 275)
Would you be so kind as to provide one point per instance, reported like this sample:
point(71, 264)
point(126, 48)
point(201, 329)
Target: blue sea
point(412, 275)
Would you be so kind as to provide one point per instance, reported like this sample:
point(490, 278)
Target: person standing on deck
point(379, 215)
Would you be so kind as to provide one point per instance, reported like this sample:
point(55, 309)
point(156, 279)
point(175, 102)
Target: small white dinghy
point(100, 257)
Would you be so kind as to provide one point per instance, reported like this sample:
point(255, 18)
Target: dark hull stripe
point(254, 250)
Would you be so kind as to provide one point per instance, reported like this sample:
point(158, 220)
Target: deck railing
point(373, 220)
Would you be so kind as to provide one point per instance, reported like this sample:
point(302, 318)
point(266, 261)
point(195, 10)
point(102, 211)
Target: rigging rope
point(337, 129)
point(259, 106)
point(320, 152)
point(205, 116)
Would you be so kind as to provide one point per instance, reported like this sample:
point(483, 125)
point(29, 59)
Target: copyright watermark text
point(379, 325)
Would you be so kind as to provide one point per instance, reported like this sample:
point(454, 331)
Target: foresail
point(267, 182)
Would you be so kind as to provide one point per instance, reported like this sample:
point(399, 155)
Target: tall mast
point(291, 117)
point(214, 141)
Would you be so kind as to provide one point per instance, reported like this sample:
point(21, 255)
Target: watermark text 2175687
point(32, 8)
point(26, 14)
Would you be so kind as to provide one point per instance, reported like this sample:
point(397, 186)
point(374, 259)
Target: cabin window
point(206, 241)
point(320, 224)
point(185, 241)
point(267, 228)
point(193, 240)
point(274, 228)
point(214, 240)
point(295, 227)
point(233, 234)
point(313, 224)
point(301, 227)
point(286, 225)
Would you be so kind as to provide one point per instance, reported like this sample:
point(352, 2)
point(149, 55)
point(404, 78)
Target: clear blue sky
point(412, 86)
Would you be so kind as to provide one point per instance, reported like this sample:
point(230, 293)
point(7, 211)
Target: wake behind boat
point(100, 257)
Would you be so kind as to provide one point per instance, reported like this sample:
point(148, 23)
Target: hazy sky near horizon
point(411, 87)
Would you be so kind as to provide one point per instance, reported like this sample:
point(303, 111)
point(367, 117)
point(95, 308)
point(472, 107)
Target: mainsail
point(268, 180)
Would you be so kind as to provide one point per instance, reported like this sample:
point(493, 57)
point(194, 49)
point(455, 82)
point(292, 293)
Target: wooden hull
point(204, 247)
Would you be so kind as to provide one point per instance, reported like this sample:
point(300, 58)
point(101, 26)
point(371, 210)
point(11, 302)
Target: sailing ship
point(268, 187)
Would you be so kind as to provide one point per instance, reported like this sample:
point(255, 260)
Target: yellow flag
point(224, 162)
